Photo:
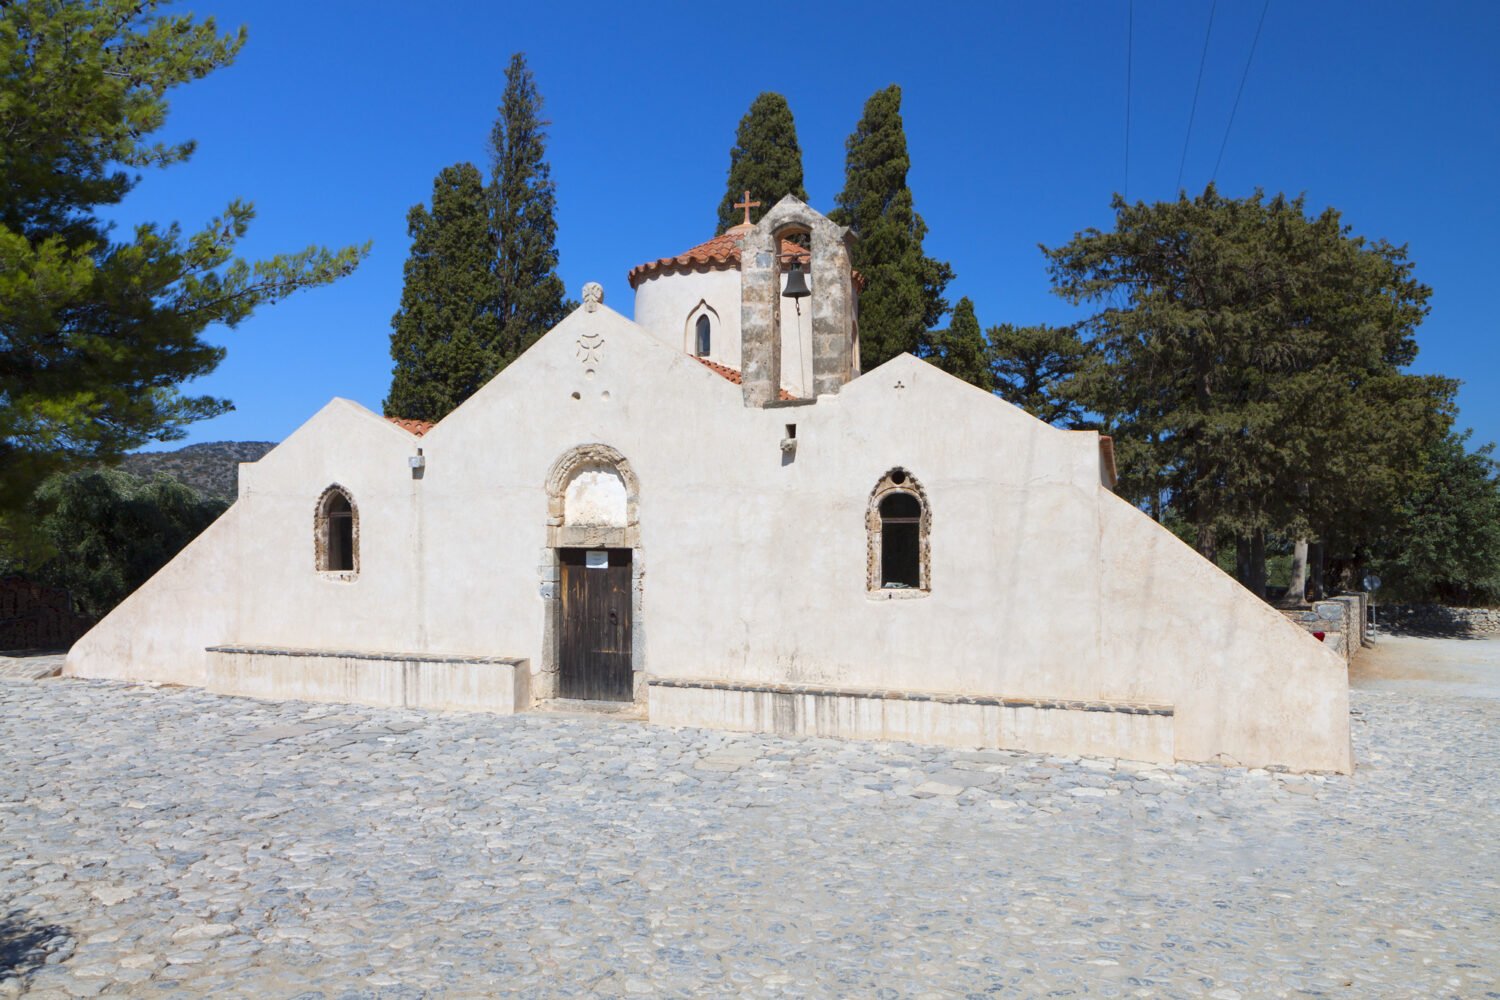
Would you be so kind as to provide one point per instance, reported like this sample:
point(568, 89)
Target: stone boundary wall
point(1341, 621)
point(1439, 618)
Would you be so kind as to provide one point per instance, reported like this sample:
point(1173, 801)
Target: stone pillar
point(760, 318)
point(833, 309)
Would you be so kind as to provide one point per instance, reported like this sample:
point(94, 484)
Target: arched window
point(702, 344)
point(897, 522)
point(337, 532)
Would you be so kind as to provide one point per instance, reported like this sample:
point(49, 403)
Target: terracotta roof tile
point(414, 427)
point(731, 374)
point(721, 251)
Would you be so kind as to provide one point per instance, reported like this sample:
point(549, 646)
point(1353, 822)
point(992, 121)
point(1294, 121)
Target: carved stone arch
point(563, 534)
point(897, 481)
point(329, 537)
point(690, 325)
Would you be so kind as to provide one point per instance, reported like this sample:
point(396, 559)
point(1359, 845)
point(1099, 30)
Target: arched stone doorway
point(592, 644)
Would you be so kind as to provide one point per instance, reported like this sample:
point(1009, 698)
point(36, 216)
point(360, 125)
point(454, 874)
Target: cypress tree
point(960, 350)
point(530, 296)
point(903, 296)
point(445, 334)
point(765, 160)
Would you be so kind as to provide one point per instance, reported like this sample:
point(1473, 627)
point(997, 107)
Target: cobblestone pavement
point(31, 668)
point(167, 842)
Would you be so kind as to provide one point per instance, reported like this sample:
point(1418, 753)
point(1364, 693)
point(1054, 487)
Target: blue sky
point(336, 117)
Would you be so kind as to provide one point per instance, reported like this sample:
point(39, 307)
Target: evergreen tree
point(445, 336)
point(1237, 339)
point(98, 332)
point(765, 160)
point(1446, 545)
point(109, 532)
point(1032, 366)
point(903, 296)
point(530, 298)
point(960, 350)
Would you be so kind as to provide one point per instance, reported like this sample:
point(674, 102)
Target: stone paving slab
point(31, 668)
point(166, 842)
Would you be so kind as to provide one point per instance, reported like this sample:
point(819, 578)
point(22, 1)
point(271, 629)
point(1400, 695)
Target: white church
point(712, 514)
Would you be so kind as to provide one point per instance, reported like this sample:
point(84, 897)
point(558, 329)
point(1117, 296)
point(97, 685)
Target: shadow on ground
point(1431, 630)
point(25, 944)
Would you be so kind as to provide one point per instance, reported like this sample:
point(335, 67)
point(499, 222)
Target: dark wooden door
point(595, 641)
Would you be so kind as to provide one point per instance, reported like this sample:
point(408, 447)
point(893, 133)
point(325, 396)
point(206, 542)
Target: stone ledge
point(386, 679)
point(1124, 708)
point(349, 654)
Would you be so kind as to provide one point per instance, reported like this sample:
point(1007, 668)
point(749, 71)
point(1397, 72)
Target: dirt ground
point(1463, 668)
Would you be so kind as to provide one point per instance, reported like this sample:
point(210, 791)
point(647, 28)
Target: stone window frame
point(320, 535)
point(897, 480)
point(690, 329)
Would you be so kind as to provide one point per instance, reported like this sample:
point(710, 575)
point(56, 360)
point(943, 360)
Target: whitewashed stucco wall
point(665, 305)
point(1044, 584)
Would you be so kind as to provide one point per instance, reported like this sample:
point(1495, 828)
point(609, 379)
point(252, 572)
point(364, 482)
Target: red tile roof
point(414, 427)
point(1107, 457)
point(721, 251)
point(731, 374)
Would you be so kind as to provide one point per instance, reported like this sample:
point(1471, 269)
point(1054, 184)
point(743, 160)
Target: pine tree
point(903, 296)
point(530, 299)
point(1236, 338)
point(1032, 366)
point(960, 350)
point(101, 326)
point(765, 160)
point(444, 337)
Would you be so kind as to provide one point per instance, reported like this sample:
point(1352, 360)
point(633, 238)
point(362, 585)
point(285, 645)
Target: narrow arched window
point(337, 532)
point(901, 542)
point(897, 522)
point(702, 343)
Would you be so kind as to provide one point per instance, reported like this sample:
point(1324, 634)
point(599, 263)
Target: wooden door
point(594, 653)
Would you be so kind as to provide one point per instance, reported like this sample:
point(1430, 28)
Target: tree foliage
point(960, 350)
point(480, 284)
point(1445, 543)
point(523, 218)
point(98, 332)
point(903, 296)
point(446, 333)
point(1032, 366)
point(765, 160)
point(109, 531)
point(1254, 356)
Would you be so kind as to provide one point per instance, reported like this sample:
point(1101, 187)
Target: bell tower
point(832, 297)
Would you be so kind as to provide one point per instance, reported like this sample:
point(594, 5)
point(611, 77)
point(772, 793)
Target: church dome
point(718, 254)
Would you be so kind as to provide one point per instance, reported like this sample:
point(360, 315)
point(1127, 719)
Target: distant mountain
point(211, 468)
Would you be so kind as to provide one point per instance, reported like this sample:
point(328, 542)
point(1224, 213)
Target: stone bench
point(382, 679)
point(1137, 731)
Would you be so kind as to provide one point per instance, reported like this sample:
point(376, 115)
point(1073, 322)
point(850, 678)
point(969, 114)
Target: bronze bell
point(796, 284)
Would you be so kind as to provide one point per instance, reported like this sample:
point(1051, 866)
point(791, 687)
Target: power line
point(1193, 112)
point(1129, 58)
point(1243, 77)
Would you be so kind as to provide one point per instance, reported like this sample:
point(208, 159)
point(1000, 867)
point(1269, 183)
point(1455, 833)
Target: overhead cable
point(1193, 112)
point(1239, 93)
